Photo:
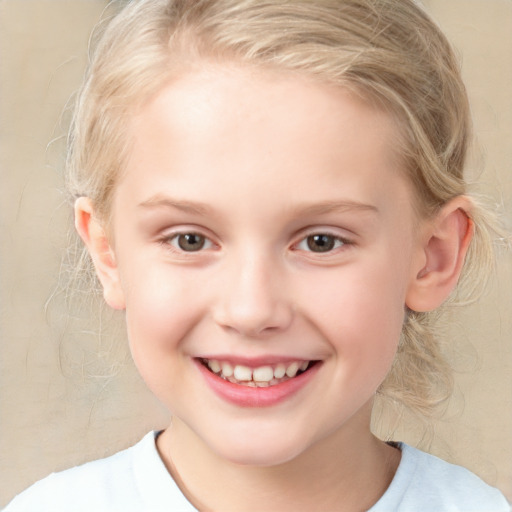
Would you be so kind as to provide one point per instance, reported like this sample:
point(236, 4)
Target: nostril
point(254, 323)
point(252, 300)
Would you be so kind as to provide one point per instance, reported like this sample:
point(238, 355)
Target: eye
point(189, 242)
point(321, 242)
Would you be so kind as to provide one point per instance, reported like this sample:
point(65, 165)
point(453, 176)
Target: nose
point(252, 299)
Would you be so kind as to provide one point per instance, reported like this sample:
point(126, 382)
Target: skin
point(257, 163)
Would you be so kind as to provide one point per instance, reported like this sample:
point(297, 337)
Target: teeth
point(292, 370)
point(262, 376)
point(242, 373)
point(214, 366)
point(227, 370)
point(279, 371)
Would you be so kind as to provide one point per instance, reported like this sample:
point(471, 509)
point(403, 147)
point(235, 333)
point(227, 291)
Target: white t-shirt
point(136, 480)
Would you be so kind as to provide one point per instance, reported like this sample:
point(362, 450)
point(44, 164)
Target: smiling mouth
point(259, 377)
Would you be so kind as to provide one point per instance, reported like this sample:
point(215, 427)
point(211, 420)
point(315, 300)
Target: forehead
point(246, 96)
point(238, 128)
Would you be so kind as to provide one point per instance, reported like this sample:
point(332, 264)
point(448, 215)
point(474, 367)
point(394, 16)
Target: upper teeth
point(263, 374)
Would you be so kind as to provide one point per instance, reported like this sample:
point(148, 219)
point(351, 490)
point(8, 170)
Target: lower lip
point(246, 396)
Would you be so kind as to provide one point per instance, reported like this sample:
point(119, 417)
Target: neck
point(339, 471)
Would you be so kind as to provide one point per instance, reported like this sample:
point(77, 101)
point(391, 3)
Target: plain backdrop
point(68, 390)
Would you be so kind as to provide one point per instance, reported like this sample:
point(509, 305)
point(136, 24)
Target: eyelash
point(334, 243)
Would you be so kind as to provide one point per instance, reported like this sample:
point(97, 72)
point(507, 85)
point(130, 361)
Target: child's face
point(299, 248)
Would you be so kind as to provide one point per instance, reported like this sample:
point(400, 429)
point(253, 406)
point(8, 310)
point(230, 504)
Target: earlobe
point(443, 250)
point(95, 239)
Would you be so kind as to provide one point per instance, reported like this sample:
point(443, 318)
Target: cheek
point(360, 308)
point(161, 306)
point(160, 311)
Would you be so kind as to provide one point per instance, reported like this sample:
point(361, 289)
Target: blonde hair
point(389, 51)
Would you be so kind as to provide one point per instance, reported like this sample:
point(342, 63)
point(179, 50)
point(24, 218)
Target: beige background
point(61, 404)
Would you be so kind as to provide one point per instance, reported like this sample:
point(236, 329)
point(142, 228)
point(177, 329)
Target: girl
point(273, 192)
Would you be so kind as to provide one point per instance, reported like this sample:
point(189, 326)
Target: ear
point(95, 238)
point(442, 252)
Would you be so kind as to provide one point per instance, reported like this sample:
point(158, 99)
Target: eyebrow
point(325, 207)
point(159, 201)
point(321, 208)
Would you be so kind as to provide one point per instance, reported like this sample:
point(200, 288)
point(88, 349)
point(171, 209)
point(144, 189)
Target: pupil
point(320, 243)
point(191, 242)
